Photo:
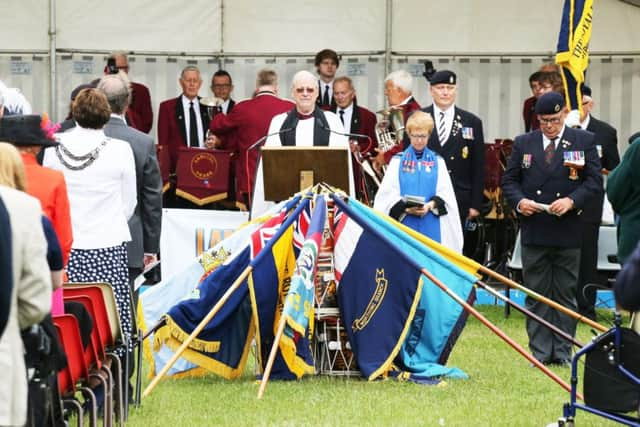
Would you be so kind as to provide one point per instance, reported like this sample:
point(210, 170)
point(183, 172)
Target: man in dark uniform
point(459, 139)
point(221, 87)
point(551, 175)
point(606, 141)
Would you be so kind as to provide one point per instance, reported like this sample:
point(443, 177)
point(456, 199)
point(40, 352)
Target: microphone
point(351, 135)
point(264, 138)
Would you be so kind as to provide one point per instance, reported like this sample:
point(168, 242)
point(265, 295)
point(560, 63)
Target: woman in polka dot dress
point(101, 182)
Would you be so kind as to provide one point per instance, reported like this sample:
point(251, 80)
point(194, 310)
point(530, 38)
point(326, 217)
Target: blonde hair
point(11, 167)
point(419, 120)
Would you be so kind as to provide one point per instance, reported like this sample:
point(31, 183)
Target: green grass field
point(503, 390)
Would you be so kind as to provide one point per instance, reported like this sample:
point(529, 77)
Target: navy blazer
point(463, 153)
point(528, 176)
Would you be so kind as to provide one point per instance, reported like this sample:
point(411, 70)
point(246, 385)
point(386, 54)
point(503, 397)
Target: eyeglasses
point(305, 89)
point(553, 121)
point(419, 136)
point(221, 85)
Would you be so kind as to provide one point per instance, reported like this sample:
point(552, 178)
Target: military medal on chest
point(574, 160)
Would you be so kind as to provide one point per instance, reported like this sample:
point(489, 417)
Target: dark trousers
point(586, 291)
point(553, 273)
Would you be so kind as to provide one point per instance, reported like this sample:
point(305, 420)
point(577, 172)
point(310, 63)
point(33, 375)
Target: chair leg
point(78, 406)
point(139, 371)
point(126, 369)
point(106, 407)
point(118, 386)
point(93, 421)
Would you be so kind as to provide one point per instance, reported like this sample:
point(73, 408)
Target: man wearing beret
point(459, 139)
point(552, 174)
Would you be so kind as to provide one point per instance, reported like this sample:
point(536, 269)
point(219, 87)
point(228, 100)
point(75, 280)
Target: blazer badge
point(465, 151)
point(574, 160)
point(526, 161)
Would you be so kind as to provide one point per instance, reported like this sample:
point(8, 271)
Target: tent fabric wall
point(491, 87)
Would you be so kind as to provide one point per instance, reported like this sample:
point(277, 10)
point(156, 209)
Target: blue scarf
point(419, 177)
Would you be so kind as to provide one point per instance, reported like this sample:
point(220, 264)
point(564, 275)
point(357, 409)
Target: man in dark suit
point(145, 224)
point(249, 121)
point(551, 176)
point(458, 137)
point(356, 120)
point(182, 122)
point(222, 86)
point(606, 141)
point(327, 63)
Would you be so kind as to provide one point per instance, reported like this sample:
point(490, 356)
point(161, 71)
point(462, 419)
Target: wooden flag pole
point(541, 298)
point(272, 355)
point(197, 330)
point(500, 333)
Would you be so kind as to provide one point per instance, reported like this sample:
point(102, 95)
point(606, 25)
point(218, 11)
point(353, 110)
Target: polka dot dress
point(105, 265)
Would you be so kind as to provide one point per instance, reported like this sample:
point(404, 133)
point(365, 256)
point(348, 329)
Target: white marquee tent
point(493, 45)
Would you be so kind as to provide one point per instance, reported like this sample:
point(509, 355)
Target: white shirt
point(14, 101)
point(102, 196)
point(304, 138)
point(225, 106)
point(186, 104)
point(546, 141)
point(448, 121)
point(323, 89)
point(348, 113)
point(585, 123)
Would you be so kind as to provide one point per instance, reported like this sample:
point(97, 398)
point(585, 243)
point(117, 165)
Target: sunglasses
point(305, 89)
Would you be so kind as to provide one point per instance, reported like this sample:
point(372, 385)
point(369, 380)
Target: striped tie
point(441, 128)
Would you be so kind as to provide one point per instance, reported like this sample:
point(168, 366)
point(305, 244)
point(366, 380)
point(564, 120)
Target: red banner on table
point(202, 175)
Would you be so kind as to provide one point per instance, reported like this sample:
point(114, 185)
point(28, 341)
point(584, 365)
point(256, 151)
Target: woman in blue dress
point(416, 189)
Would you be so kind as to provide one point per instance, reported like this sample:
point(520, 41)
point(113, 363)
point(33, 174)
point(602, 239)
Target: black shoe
point(99, 394)
point(562, 363)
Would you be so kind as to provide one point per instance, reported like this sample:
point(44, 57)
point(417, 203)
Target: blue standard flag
point(377, 294)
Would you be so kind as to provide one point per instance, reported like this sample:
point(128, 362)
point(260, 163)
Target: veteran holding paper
point(556, 166)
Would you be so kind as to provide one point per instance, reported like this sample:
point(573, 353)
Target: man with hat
point(552, 174)
point(45, 184)
point(606, 141)
point(459, 139)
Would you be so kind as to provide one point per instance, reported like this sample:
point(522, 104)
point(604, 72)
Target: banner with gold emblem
point(202, 175)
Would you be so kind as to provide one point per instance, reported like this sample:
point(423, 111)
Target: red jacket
point(171, 130)
point(139, 113)
point(243, 126)
point(49, 186)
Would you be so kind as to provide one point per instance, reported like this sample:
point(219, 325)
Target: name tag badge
point(467, 133)
point(526, 161)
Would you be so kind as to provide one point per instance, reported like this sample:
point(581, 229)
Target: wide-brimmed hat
point(24, 130)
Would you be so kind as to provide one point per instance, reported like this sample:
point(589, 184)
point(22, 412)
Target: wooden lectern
point(288, 170)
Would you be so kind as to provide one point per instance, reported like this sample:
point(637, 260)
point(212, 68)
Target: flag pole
point(527, 312)
point(272, 355)
point(537, 296)
point(198, 329)
point(499, 332)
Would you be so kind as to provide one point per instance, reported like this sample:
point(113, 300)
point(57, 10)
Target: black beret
point(550, 103)
point(443, 76)
point(586, 90)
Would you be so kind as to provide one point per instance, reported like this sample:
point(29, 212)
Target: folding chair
point(611, 377)
point(95, 354)
point(76, 371)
